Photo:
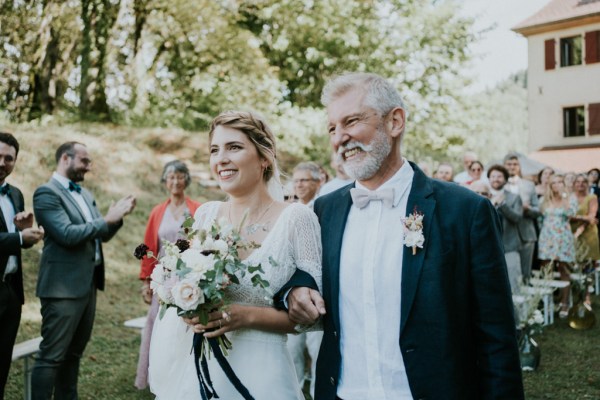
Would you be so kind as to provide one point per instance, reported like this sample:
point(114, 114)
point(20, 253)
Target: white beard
point(375, 154)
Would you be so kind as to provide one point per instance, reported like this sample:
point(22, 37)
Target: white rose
point(218, 245)
point(163, 290)
point(158, 275)
point(187, 295)
point(170, 249)
point(169, 262)
point(195, 244)
point(197, 262)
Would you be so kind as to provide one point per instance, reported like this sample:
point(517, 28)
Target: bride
point(242, 158)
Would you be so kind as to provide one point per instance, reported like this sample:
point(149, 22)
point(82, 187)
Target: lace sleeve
point(206, 213)
point(305, 238)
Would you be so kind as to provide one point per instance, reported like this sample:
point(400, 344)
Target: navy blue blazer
point(457, 332)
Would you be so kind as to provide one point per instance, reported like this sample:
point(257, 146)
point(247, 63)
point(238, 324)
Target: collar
point(514, 179)
point(401, 181)
point(64, 181)
point(4, 185)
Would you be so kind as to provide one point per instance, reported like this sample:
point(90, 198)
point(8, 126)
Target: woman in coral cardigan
point(164, 223)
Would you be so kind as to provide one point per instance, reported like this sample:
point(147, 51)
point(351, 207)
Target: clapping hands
point(119, 209)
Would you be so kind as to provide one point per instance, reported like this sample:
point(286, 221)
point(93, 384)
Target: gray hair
point(176, 166)
point(312, 167)
point(381, 95)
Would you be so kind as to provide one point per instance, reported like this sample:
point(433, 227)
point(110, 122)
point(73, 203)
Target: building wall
point(550, 91)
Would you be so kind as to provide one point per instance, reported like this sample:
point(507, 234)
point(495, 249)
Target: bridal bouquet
point(194, 272)
point(192, 276)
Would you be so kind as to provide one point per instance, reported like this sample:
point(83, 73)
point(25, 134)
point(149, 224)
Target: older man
point(307, 181)
point(416, 295)
point(71, 269)
point(16, 232)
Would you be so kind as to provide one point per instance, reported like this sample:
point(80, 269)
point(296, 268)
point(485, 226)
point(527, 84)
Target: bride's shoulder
point(208, 207)
point(295, 212)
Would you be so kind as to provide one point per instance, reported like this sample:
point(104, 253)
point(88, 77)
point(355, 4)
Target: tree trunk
point(98, 17)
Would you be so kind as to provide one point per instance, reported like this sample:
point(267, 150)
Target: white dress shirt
point(83, 206)
point(513, 184)
point(8, 212)
point(370, 278)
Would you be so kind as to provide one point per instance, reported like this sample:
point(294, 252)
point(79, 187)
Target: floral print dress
point(556, 241)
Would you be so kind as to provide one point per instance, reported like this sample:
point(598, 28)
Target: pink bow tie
point(361, 197)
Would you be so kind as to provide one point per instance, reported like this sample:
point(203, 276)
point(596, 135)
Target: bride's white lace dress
point(259, 359)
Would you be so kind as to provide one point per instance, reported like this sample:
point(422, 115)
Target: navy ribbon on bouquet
point(207, 390)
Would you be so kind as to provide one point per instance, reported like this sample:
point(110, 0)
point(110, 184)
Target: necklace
point(254, 226)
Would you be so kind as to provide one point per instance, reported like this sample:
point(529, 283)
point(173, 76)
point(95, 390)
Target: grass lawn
point(130, 161)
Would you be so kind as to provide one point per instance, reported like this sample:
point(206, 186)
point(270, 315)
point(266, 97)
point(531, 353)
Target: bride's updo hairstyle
point(257, 131)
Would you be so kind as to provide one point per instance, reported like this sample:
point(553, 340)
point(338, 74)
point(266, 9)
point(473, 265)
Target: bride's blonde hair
point(258, 132)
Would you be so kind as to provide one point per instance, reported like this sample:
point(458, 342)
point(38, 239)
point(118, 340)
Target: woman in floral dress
point(556, 243)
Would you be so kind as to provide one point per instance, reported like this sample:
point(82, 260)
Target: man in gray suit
point(510, 209)
point(16, 232)
point(71, 269)
point(531, 210)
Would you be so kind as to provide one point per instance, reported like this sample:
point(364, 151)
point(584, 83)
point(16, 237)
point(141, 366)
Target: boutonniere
point(413, 231)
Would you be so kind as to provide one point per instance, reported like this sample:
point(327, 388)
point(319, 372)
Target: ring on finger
point(226, 316)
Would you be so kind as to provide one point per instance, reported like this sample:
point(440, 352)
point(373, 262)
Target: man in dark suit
point(16, 232)
point(417, 300)
point(71, 269)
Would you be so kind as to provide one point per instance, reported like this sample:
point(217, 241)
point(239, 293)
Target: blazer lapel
point(420, 201)
point(91, 203)
point(64, 193)
point(338, 215)
point(16, 200)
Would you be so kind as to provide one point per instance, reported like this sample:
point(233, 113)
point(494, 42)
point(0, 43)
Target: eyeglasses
point(303, 180)
point(476, 169)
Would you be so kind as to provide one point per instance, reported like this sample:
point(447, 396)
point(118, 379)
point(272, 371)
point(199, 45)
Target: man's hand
point(305, 305)
point(32, 235)
point(118, 210)
point(23, 220)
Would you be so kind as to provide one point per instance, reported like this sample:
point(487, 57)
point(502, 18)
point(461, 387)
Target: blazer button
point(335, 333)
point(332, 381)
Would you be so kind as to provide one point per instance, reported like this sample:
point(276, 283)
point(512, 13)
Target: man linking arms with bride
point(415, 288)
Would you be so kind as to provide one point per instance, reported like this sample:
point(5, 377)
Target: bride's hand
point(231, 319)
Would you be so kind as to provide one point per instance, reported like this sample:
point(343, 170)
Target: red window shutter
point(594, 114)
point(549, 50)
point(592, 47)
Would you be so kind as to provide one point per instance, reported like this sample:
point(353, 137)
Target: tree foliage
point(175, 62)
